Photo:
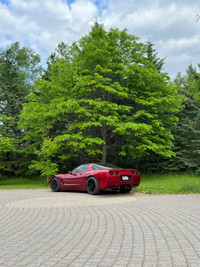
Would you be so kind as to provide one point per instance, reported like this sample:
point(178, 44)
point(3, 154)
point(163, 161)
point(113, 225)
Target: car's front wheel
point(92, 186)
point(55, 186)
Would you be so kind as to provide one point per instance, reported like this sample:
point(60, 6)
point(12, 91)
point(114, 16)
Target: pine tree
point(187, 131)
point(152, 56)
point(18, 69)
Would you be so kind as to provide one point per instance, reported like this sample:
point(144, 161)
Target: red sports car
point(93, 178)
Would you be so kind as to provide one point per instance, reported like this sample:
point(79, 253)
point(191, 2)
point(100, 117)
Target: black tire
point(92, 186)
point(55, 186)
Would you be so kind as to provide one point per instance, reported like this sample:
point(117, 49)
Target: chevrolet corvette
point(94, 178)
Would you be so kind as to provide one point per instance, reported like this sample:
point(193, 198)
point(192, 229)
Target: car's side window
point(76, 170)
point(82, 168)
point(99, 167)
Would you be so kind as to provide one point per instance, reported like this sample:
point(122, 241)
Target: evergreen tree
point(187, 131)
point(18, 69)
point(152, 56)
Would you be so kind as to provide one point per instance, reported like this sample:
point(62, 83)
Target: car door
point(76, 178)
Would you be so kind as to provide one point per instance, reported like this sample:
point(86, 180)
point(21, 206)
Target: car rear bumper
point(115, 182)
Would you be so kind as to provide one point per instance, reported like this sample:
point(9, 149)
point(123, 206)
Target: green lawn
point(24, 183)
point(169, 184)
point(150, 184)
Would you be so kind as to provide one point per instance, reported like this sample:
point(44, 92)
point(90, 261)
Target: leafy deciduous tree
point(105, 100)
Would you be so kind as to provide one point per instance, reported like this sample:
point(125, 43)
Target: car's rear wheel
point(55, 186)
point(92, 186)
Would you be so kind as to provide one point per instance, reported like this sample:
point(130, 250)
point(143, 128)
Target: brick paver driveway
point(42, 228)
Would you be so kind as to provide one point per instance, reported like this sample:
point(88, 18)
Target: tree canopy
point(104, 98)
point(101, 100)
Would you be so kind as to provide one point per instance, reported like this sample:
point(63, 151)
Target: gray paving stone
point(42, 228)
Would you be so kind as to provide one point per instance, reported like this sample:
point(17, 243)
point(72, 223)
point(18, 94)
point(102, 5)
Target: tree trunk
point(104, 151)
point(104, 147)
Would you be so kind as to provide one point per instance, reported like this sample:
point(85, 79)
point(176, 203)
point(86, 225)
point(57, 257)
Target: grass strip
point(24, 183)
point(150, 184)
point(169, 184)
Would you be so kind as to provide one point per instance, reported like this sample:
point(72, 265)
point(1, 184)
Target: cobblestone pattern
point(42, 228)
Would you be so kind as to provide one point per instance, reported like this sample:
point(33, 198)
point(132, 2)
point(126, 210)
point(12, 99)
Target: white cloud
point(7, 20)
point(43, 24)
point(179, 53)
point(171, 24)
point(151, 19)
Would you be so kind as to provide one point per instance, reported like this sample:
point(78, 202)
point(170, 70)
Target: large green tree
point(187, 131)
point(18, 69)
point(102, 100)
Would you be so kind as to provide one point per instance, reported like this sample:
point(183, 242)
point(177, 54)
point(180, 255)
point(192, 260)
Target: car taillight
point(116, 172)
point(135, 172)
point(111, 172)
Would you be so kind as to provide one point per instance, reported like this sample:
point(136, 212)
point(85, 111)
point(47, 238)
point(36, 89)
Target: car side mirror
point(70, 172)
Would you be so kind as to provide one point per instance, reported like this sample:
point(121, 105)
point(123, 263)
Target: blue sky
point(42, 24)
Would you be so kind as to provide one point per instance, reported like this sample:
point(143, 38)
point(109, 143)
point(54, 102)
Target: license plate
point(125, 178)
